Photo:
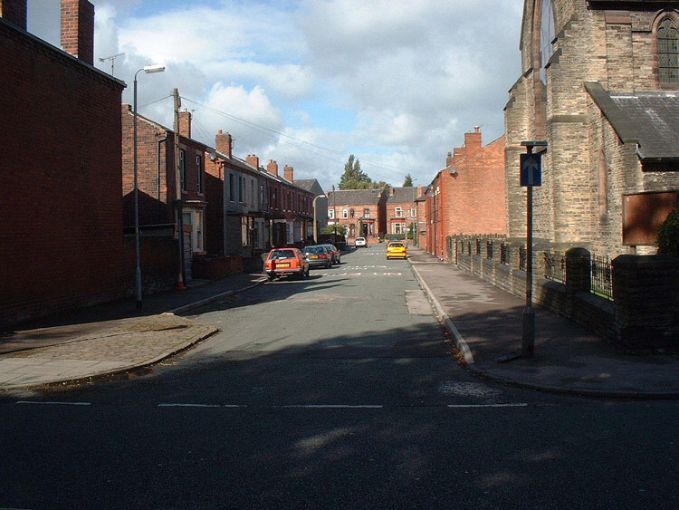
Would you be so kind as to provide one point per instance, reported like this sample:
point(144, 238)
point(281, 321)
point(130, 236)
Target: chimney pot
point(224, 143)
point(288, 173)
point(272, 167)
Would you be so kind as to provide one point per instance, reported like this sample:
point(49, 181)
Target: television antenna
point(112, 58)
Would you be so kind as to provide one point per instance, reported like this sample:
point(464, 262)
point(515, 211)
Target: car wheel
point(270, 277)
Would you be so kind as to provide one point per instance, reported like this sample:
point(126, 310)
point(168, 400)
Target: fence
point(602, 277)
point(555, 266)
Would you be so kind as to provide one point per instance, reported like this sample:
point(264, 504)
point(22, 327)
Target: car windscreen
point(282, 254)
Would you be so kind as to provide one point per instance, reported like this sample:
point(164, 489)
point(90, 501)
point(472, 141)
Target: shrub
point(668, 235)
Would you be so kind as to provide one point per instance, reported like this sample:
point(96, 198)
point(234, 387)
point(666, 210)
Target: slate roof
point(649, 119)
point(354, 196)
point(401, 195)
point(310, 185)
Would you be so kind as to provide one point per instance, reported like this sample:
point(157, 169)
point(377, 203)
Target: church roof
point(649, 119)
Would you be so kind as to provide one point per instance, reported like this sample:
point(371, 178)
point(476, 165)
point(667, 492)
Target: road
point(340, 391)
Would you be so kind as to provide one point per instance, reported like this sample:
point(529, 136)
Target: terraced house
point(599, 83)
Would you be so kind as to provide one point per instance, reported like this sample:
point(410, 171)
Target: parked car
point(397, 250)
point(286, 262)
point(360, 241)
point(318, 255)
point(334, 251)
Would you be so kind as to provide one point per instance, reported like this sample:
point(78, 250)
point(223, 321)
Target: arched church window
point(547, 35)
point(668, 52)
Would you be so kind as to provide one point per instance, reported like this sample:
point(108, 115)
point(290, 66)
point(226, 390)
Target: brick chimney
point(185, 124)
point(272, 167)
point(252, 160)
point(449, 159)
point(14, 11)
point(473, 139)
point(77, 29)
point(289, 173)
point(224, 143)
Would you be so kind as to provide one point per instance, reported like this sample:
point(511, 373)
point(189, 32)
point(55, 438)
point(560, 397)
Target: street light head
point(154, 68)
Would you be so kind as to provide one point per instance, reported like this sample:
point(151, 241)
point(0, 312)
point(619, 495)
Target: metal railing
point(555, 267)
point(602, 276)
point(523, 259)
point(504, 253)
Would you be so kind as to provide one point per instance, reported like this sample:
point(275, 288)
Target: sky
point(397, 83)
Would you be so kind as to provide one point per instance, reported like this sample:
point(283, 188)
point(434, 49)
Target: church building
point(600, 84)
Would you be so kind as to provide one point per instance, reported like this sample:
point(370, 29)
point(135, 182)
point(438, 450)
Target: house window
point(345, 213)
point(199, 167)
point(194, 218)
point(351, 213)
point(366, 213)
point(547, 35)
point(399, 213)
point(182, 169)
point(241, 185)
point(413, 213)
point(331, 214)
point(232, 187)
point(668, 52)
point(398, 228)
point(244, 231)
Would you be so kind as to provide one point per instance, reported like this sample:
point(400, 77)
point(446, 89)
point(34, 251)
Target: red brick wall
point(61, 231)
point(214, 213)
point(471, 201)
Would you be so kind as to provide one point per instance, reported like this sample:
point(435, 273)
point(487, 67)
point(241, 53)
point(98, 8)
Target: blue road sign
point(531, 169)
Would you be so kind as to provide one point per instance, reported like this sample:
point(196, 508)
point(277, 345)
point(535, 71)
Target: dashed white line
point(38, 402)
point(330, 406)
point(231, 406)
point(472, 406)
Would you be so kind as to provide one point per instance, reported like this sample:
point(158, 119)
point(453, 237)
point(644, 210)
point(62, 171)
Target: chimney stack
point(288, 172)
point(77, 29)
point(473, 139)
point(14, 11)
point(224, 143)
point(272, 167)
point(185, 124)
point(449, 159)
point(252, 160)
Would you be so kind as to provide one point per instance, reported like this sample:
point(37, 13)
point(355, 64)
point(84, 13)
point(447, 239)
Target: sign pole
point(528, 338)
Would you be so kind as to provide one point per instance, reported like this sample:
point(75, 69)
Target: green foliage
point(355, 178)
point(408, 182)
point(668, 235)
point(330, 229)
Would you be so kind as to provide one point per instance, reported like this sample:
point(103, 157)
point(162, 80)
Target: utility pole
point(179, 204)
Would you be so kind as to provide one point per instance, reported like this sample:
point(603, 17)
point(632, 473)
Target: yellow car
point(397, 250)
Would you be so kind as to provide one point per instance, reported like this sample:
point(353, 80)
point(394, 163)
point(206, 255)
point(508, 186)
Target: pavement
point(484, 322)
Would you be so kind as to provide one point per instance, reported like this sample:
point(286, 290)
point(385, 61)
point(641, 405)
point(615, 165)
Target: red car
point(286, 262)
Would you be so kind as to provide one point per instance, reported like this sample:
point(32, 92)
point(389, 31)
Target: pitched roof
point(649, 119)
point(355, 196)
point(310, 185)
point(400, 195)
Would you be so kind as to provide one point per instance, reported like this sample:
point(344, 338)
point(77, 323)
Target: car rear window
point(282, 254)
point(396, 245)
point(315, 249)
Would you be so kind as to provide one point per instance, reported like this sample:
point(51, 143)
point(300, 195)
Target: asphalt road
point(335, 392)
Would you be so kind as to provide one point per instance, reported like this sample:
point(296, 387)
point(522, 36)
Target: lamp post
point(334, 213)
point(156, 68)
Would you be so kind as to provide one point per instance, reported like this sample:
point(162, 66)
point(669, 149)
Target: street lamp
point(155, 68)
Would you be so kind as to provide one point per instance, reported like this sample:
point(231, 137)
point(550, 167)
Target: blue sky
point(306, 83)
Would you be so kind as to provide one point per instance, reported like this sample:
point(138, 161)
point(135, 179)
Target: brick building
point(62, 238)
point(157, 184)
point(598, 83)
point(468, 195)
point(362, 211)
point(401, 211)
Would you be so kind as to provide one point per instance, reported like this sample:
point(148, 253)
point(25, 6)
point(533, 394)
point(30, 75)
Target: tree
point(668, 235)
point(408, 182)
point(353, 177)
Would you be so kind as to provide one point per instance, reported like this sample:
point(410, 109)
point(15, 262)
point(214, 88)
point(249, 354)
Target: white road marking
point(471, 406)
point(38, 402)
point(330, 406)
point(230, 406)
